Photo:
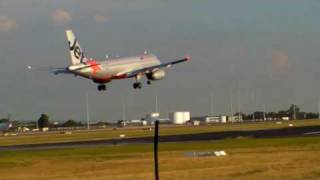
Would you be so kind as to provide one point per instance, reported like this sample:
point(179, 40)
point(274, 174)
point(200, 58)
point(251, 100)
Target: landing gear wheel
point(137, 85)
point(102, 87)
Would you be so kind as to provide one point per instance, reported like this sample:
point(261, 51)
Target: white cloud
point(7, 24)
point(61, 17)
point(100, 19)
point(280, 61)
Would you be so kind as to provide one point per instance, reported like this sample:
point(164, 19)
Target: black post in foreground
point(156, 139)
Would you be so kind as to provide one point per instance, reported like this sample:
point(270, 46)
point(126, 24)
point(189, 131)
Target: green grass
point(272, 158)
point(228, 144)
point(142, 132)
point(248, 158)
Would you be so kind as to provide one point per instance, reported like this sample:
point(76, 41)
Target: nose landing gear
point(102, 87)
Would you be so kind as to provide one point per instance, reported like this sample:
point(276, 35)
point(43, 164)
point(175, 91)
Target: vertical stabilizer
point(76, 53)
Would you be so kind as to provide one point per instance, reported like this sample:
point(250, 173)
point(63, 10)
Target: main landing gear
point(137, 85)
point(102, 87)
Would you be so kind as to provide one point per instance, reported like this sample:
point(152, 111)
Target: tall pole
point(239, 109)
point(231, 106)
point(253, 105)
point(294, 112)
point(319, 110)
point(9, 117)
point(123, 109)
point(211, 104)
point(156, 98)
point(87, 111)
point(155, 148)
point(264, 113)
point(37, 124)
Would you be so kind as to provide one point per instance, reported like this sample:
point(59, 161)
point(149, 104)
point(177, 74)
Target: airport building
point(179, 117)
point(233, 119)
point(151, 117)
point(215, 119)
point(218, 119)
point(134, 122)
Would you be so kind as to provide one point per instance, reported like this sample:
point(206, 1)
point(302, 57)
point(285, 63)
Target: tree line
point(44, 121)
point(293, 112)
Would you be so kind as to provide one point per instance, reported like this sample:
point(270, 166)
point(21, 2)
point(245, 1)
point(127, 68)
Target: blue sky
point(267, 50)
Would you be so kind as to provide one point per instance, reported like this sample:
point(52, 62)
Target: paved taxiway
point(269, 133)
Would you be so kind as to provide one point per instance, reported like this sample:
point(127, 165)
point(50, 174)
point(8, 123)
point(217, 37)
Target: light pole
point(211, 104)
point(123, 109)
point(239, 104)
point(231, 106)
point(87, 111)
point(156, 101)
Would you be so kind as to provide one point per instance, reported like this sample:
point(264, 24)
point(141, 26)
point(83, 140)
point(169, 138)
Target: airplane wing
point(57, 71)
point(53, 70)
point(151, 68)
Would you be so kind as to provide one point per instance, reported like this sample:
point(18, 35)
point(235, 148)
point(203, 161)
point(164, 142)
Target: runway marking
point(311, 133)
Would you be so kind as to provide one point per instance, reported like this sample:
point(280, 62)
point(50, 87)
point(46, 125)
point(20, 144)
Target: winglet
point(188, 57)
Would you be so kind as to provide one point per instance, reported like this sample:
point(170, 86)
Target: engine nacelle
point(156, 75)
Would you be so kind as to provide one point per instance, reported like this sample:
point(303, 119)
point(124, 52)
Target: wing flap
point(153, 68)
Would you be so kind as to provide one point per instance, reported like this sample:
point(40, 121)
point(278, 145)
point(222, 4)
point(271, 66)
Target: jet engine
point(156, 75)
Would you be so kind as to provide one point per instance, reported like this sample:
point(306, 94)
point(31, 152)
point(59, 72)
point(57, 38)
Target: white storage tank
point(180, 117)
point(224, 119)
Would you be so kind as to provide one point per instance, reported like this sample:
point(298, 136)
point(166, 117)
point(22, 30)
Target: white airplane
point(103, 72)
point(4, 126)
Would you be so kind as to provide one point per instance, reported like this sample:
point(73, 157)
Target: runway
point(269, 133)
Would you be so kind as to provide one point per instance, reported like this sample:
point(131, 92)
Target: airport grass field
point(275, 158)
point(145, 131)
point(248, 158)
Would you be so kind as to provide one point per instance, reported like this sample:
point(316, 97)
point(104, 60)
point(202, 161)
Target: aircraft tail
point(76, 53)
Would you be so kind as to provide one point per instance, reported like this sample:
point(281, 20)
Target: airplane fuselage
point(102, 72)
point(105, 71)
